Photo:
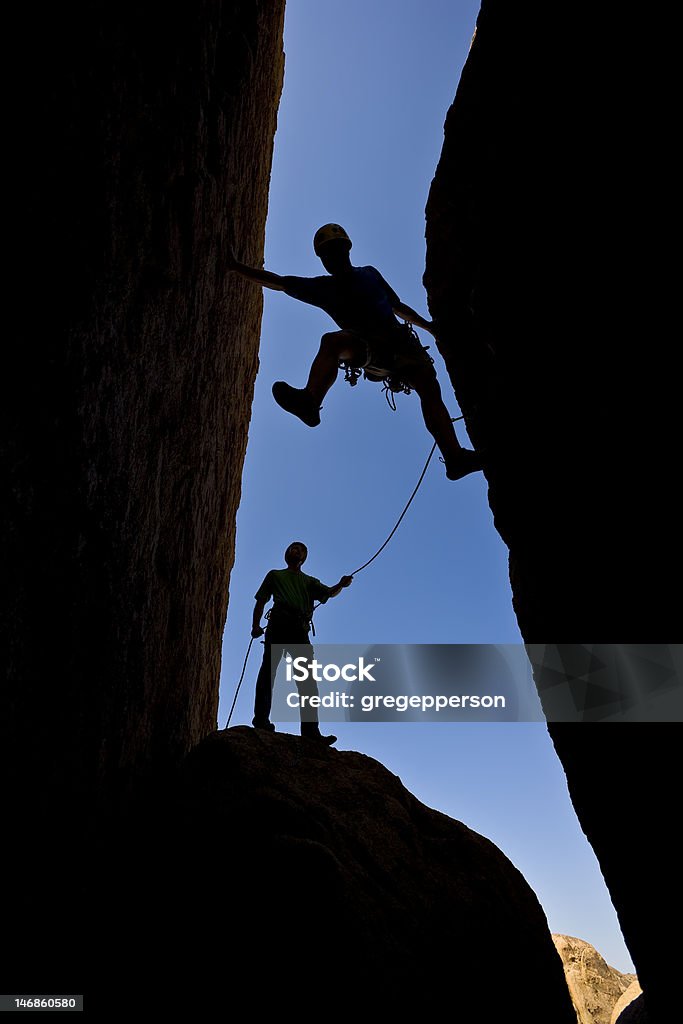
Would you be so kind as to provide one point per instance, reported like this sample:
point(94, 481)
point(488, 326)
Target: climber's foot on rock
point(326, 741)
point(265, 726)
point(298, 401)
point(465, 462)
point(318, 737)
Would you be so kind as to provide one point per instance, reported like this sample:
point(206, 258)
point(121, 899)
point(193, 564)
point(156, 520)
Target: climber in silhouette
point(363, 305)
point(288, 628)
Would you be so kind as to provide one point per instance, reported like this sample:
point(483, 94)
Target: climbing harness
point(305, 620)
point(392, 383)
point(391, 386)
point(355, 572)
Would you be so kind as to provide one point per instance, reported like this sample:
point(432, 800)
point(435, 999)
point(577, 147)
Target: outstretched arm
point(345, 581)
point(263, 277)
point(409, 314)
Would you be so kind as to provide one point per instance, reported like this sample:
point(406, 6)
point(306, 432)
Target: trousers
point(289, 635)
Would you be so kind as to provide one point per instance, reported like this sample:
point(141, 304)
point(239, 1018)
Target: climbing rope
point(408, 504)
point(244, 669)
point(363, 566)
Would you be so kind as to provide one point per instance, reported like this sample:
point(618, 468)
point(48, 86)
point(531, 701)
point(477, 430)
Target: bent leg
point(459, 461)
point(334, 346)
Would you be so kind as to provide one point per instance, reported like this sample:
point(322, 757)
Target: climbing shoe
point(297, 401)
point(311, 731)
point(466, 461)
point(327, 741)
point(264, 726)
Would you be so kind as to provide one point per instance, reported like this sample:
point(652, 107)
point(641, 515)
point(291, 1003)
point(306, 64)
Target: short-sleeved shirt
point(293, 590)
point(358, 299)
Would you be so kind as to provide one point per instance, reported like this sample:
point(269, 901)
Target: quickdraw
point(352, 374)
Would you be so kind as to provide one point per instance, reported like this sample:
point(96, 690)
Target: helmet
point(327, 233)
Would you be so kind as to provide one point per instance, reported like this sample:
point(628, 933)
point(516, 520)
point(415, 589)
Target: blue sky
point(360, 128)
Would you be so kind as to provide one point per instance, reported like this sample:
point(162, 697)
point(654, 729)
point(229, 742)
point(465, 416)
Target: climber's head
point(332, 245)
point(296, 554)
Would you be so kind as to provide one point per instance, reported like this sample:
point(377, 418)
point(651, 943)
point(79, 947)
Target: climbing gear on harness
point(298, 402)
point(392, 387)
point(391, 380)
point(351, 373)
point(292, 613)
point(328, 233)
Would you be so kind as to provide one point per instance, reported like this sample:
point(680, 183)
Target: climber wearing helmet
point(289, 622)
point(365, 307)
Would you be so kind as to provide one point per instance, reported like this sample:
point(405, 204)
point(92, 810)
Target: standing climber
point(363, 305)
point(288, 627)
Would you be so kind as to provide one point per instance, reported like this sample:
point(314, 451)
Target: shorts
point(394, 354)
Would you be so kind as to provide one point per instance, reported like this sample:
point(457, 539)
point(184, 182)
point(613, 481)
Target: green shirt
point(296, 590)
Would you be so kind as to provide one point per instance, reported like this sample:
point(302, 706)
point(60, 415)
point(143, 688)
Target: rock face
point(146, 149)
point(143, 139)
point(538, 265)
point(594, 986)
point(333, 886)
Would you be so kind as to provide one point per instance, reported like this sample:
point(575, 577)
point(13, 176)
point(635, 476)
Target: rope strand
point(244, 669)
point(408, 504)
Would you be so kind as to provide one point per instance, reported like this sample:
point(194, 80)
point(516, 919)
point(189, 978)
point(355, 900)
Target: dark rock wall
point(144, 147)
point(634, 1013)
point(319, 882)
point(542, 277)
